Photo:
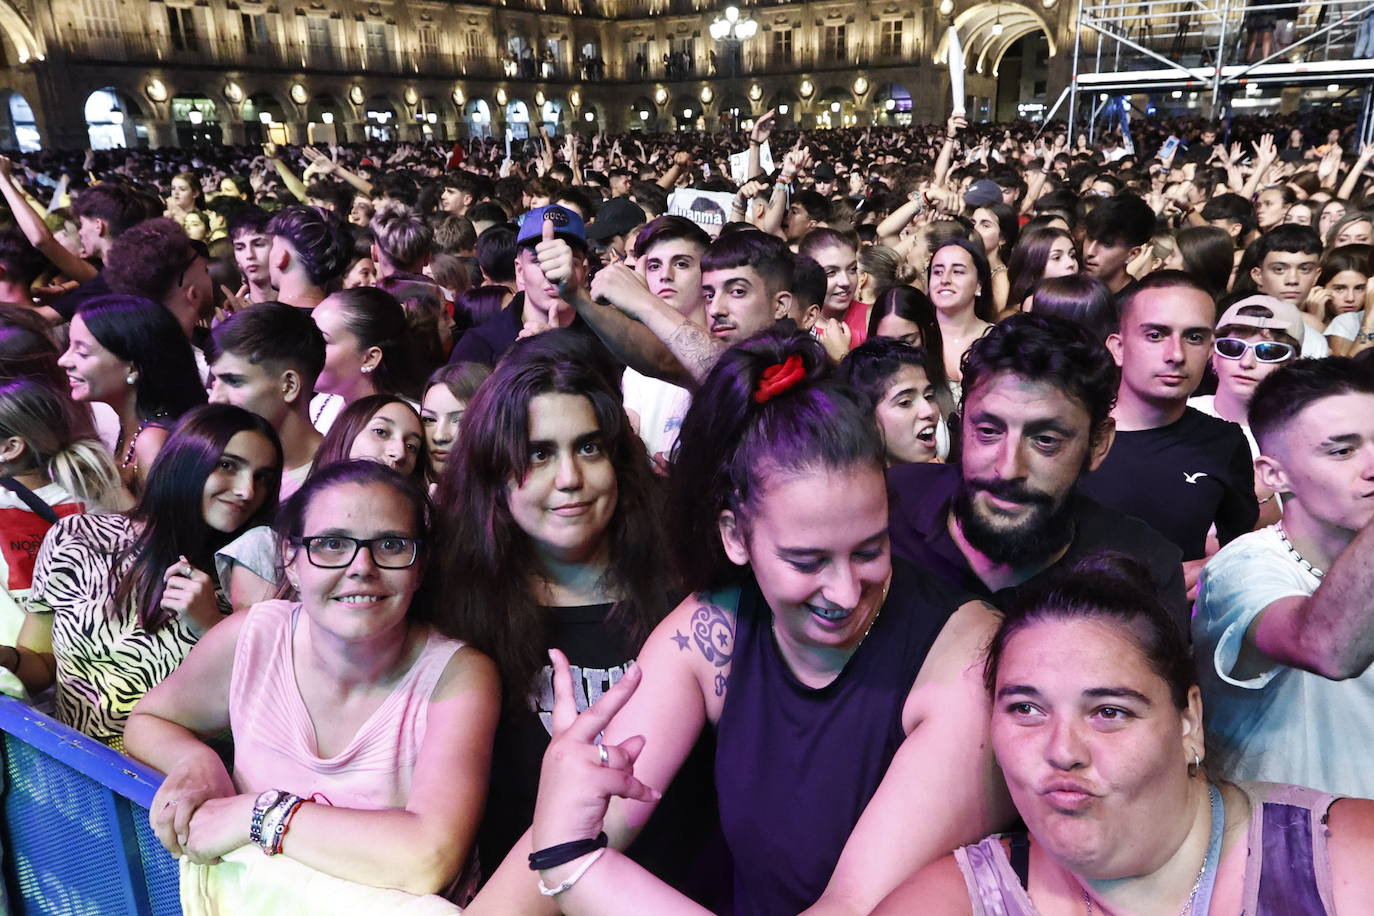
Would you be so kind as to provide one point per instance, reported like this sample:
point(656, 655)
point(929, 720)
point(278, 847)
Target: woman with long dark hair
point(997, 226)
point(367, 350)
point(1208, 255)
point(118, 600)
point(131, 354)
point(1038, 255)
point(379, 428)
point(810, 651)
point(960, 285)
point(554, 531)
point(447, 395)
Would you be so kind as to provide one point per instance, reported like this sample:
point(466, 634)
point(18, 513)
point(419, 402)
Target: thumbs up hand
point(557, 261)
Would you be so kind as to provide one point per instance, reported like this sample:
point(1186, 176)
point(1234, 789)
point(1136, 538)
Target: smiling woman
point(842, 686)
point(554, 532)
point(354, 721)
point(118, 600)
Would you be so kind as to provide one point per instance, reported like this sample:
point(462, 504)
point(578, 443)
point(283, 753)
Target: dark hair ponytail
point(1115, 589)
point(730, 440)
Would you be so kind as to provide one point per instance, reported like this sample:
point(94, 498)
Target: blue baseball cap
point(566, 224)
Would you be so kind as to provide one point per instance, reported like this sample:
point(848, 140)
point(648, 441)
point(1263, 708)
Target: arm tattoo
point(695, 348)
point(714, 634)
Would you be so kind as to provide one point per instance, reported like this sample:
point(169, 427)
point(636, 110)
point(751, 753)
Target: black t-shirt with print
point(1181, 479)
point(680, 844)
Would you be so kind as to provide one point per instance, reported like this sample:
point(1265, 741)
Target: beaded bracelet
point(563, 853)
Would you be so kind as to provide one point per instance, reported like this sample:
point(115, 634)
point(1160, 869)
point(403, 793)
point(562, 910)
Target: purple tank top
point(795, 765)
point(1292, 876)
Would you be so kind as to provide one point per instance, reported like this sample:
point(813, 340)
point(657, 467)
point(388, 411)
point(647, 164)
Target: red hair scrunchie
point(777, 379)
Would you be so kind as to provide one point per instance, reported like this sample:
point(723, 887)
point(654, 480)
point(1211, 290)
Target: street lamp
point(732, 30)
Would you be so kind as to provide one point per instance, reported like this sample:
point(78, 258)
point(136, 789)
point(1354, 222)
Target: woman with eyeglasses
point(1254, 337)
point(362, 737)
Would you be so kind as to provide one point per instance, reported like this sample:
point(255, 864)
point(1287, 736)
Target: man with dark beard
point(1038, 395)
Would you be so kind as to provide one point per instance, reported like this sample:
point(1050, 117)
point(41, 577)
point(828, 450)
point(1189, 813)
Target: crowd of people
point(976, 522)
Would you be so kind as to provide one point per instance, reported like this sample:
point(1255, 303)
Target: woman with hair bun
point(843, 687)
point(1039, 254)
point(131, 354)
point(367, 350)
point(880, 269)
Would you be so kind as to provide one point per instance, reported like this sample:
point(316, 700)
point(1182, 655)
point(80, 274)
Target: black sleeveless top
point(796, 766)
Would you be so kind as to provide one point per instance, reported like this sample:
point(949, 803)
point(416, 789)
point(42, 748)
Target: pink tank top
point(274, 739)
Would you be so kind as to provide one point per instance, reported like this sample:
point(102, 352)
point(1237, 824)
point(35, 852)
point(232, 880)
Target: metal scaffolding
point(1216, 46)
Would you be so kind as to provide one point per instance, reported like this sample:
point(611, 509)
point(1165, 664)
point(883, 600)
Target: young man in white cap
point(1255, 337)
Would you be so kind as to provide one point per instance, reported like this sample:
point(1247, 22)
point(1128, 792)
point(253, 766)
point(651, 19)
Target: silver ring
point(605, 755)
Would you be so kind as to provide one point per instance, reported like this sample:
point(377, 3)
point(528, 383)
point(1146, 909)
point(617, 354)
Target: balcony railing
point(142, 48)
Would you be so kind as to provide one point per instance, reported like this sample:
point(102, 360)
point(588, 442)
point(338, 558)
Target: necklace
point(128, 458)
point(1283, 536)
point(1209, 862)
point(323, 406)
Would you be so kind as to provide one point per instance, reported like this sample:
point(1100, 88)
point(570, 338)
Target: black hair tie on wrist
point(564, 853)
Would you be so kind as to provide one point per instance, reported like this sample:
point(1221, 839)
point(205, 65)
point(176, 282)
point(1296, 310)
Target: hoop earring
point(1196, 766)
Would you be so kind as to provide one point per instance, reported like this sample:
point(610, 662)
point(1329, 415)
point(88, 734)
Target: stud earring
point(131, 378)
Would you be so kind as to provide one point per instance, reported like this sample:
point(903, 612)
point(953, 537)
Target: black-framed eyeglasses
point(335, 551)
point(1266, 351)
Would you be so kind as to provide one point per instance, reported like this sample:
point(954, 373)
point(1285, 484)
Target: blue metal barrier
point(74, 825)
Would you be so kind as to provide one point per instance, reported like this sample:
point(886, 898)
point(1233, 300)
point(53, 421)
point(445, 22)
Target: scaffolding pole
point(1192, 30)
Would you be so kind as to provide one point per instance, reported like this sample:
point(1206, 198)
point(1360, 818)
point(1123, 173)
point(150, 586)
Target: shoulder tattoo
point(712, 631)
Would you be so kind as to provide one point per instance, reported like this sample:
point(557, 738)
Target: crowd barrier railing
point(74, 825)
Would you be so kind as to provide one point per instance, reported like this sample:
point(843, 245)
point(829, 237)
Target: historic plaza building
point(105, 73)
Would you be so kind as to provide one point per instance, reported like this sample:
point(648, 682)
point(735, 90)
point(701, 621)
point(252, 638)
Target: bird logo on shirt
point(1194, 477)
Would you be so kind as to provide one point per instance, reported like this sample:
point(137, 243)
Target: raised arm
point(31, 223)
point(758, 136)
point(1352, 180)
point(330, 166)
point(890, 229)
point(639, 328)
point(1265, 155)
point(942, 789)
point(793, 162)
point(1330, 632)
point(289, 178)
point(682, 161)
point(955, 124)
